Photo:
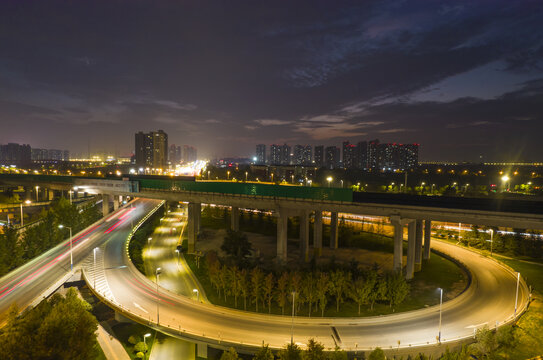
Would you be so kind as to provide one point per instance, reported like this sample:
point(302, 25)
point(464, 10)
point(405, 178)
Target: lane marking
point(140, 307)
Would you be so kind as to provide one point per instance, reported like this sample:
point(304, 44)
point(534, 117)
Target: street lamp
point(22, 216)
point(292, 325)
point(197, 294)
point(145, 342)
point(440, 308)
point(94, 256)
point(228, 175)
point(341, 183)
point(208, 174)
point(329, 179)
point(246, 173)
point(71, 252)
point(157, 272)
point(37, 188)
point(177, 251)
point(491, 238)
point(505, 179)
point(516, 296)
point(292, 178)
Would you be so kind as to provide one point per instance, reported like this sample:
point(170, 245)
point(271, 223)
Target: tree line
point(314, 291)
point(15, 249)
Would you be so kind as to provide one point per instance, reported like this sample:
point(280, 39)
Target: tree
point(308, 290)
point(282, 291)
point(338, 354)
point(359, 292)
point(257, 279)
point(291, 352)
point(264, 353)
point(397, 288)
point(323, 284)
point(236, 245)
point(338, 284)
point(377, 354)
point(141, 347)
point(373, 284)
point(244, 286)
point(233, 280)
point(485, 342)
point(230, 354)
point(10, 250)
point(315, 351)
point(269, 283)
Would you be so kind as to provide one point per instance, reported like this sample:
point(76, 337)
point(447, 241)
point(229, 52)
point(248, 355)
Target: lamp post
point(440, 308)
point(491, 238)
point(22, 216)
point(505, 179)
point(246, 173)
point(37, 188)
point(208, 174)
point(329, 179)
point(292, 324)
point(177, 251)
point(70, 192)
point(157, 272)
point(145, 342)
point(228, 175)
point(516, 296)
point(94, 256)
point(341, 183)
point(197, 294)
point(71, 250)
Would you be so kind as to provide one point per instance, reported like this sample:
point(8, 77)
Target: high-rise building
point(319, 156)
point(348, 155)
point(15, 154)
point(152, 149)
point(285, 155)
point(174, 154)
point(373, 156)
point(332, 160)
point(189, 154)
point(361, 155)
point(302, 155)
point(410, 156)
point(307, 155)
point(275, 154)
point(261, 154)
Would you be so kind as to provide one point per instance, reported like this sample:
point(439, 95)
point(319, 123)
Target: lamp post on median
point(329, 179)
point(157, 272)
point(22, 215)
point(440, 308)
point(71, 250)
point(292, 324)
point(177, 251)
point(197, 294)
point(145, 342)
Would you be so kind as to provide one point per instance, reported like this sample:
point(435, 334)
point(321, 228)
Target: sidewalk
point(172, 348)
point(112, 348)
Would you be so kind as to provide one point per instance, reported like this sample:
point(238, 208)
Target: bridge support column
point(282, 225)
point(333, 230)
point(115, 202)
point(317, 233)
point(418, 246)
point(28, 193)
point(304, 235)
point(198, 216)
point(201, 350)
point(191, 227)
point(234, 218)
point(427, 236)
point(105, 204)
point(411, 239)
point(398, 243)
point(51, 194)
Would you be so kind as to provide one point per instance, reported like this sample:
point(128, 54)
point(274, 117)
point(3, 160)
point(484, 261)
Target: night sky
point(464, 79)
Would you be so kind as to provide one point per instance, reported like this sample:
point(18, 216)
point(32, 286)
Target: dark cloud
point(226, 75)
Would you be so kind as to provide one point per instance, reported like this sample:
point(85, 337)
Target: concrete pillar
point(427, 236)
point(105, 204)
point(411, 239)
point(317, 233)
point(418, 245)
point(198, 216)
point(398, 244)
point(234, 218)
point(115, 203)
point(51, 194)
point(201, 350)
point(304, 235)
point(28, 193)
point(282, 225)
point(191, 227)
point(333, 230)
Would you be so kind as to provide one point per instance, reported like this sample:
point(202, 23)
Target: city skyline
point(463, 79)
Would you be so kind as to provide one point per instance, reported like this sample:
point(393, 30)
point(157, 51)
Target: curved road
point(489, 300)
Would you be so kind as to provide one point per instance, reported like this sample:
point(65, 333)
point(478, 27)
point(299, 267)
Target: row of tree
point(16, 249)
point(313, 290)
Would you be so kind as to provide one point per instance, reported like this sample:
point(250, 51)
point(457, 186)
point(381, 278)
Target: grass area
point(437, 272)
point(124, 330)
point(101, 355)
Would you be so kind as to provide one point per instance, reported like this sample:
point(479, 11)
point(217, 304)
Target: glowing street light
point(228, 175)
point(157, 272)
point(177, 251)
point(329, 179)
point(505, 179)
point(71, 250)
point(145, 342)
point(37, 188)
point(440, 308)
point(246, 173)
point(197, 294)
point(22, 215)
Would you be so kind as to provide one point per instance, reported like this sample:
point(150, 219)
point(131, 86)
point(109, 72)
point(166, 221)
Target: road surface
point(489, 300)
